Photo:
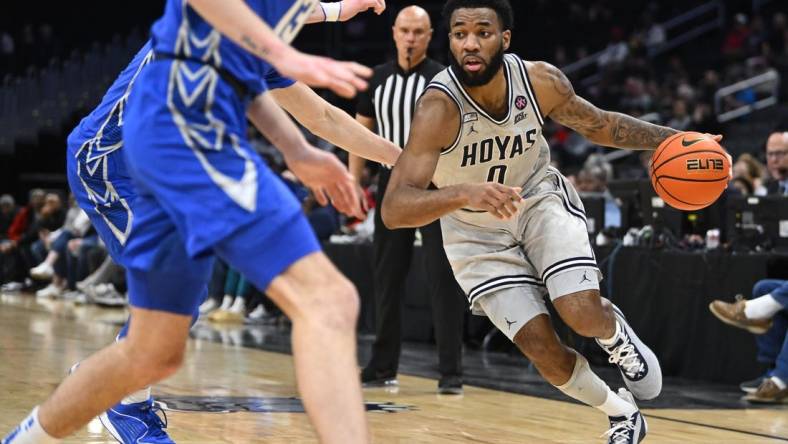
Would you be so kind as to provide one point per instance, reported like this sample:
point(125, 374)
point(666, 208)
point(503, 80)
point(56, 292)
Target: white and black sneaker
point(637, 363)
point(626, 429)
point(106, 295)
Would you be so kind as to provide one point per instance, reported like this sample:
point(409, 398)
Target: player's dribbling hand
point(344, 78)
point(328, 178)
point(718, 138)
point(498, 200)
point(350, 8)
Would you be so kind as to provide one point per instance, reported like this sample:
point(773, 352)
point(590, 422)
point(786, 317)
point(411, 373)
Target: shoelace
point(152, 414)
point(620, 433)
point(626, 357)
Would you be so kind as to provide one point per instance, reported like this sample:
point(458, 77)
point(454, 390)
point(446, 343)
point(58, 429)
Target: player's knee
point(586, 313)
point(164, 364)
point(341, 307)
point(152, 364)
point(589, 328)
point(539, 348)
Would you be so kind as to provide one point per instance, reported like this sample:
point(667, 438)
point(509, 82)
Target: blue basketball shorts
point(203, 192)
point(104, 190)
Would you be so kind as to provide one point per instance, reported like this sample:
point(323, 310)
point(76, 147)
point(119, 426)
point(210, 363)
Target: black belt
point(241, 90)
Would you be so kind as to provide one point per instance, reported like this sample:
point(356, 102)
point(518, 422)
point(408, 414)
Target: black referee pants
point(393, 255)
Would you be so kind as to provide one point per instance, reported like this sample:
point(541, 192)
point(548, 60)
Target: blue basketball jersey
point(182, 33)
point(97, 170)
point(103, 125)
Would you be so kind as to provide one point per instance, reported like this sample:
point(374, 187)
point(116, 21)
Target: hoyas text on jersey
point(495, 148)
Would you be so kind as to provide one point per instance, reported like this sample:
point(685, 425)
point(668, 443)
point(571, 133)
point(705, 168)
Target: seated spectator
point(323, 219)
point(594, 179)
point(748, 168)
point(767, 316)
point(655, 34)
point(704, 120)
point(8, 212)
point(60, 265)
point(238, 298)
point(737, 37)
point(681, 119)
point(616, 51)
point(15, 251)
point(743, 185)
point(215, 288)
point(76, 224)
point(264, 312)
point(777, 163)
point(236, 290)
point(106, 272)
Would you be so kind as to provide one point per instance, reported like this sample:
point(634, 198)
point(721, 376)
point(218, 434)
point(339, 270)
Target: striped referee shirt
point(392, 95)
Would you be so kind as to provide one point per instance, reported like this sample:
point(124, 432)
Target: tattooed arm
point(235, 20)
point(557, 99)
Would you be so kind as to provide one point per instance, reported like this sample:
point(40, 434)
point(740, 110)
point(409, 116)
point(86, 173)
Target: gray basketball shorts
point(543, 250)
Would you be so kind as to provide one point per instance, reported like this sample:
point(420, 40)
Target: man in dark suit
point(777, 163)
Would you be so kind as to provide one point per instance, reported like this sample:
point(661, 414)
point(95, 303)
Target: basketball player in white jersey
point(514, 228)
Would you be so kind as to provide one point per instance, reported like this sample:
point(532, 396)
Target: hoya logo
point(705, 164)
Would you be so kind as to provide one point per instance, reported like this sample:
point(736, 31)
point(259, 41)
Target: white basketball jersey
point(511, 151)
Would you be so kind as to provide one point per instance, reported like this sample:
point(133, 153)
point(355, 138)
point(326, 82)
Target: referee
point(387, 106)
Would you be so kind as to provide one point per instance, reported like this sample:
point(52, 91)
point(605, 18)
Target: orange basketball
point(689, 171)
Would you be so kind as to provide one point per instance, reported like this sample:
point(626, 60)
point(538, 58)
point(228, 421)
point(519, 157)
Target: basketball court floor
point(237, 386)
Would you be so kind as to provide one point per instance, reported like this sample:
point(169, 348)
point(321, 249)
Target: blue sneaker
point(26, 424)
point(136, 423)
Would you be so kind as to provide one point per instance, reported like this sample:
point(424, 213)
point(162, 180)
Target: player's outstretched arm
point(355, 163)
point(344, 10)
point(558, 100)
point(408, 202)
point(331, 123)
point(239, 23)
point(322, 172)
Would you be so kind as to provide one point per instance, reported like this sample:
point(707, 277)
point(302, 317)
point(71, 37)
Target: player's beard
point(478, 78)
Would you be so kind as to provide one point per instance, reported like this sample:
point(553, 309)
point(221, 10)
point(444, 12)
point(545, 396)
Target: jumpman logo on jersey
point(585, 277)
point(472, 130)
point(509, 322)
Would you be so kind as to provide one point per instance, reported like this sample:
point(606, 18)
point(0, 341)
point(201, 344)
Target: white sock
point(779, 382)
point(584, 385)
point(137, 397)
point(30, 431)
point(614, 405)
point(227, 302)
point(239, 306)
point(611, 341)
point(764, 307)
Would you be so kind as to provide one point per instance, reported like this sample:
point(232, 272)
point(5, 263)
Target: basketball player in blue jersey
point(99, 176)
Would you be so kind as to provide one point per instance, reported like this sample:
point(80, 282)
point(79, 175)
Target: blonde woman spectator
point(749, 168)
point(743, 185)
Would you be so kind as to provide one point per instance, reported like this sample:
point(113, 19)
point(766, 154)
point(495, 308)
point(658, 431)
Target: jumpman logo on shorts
point(585, 277)
point(509, 322)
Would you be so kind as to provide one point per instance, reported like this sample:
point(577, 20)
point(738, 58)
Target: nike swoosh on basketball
point(685, 142)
